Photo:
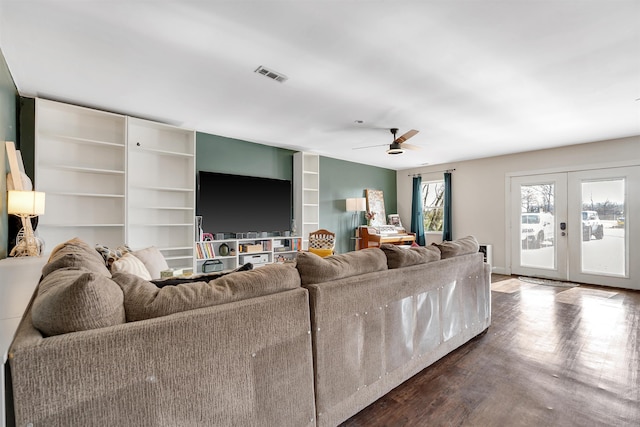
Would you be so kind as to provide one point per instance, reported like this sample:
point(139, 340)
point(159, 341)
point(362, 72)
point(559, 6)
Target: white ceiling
point(476, 78)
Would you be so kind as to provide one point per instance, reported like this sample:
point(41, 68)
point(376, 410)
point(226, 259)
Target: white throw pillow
point(128, 263)
point(153, 259)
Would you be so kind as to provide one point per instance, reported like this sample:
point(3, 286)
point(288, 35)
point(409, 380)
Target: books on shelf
point(205, 250)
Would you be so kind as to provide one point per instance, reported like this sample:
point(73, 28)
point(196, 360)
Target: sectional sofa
point(281, 345)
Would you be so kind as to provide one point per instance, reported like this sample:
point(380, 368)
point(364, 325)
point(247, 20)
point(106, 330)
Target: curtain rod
point(420, 174)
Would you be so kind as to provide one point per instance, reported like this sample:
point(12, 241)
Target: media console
point(235, 252)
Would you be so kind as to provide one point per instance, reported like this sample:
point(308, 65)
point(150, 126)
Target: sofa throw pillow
point(132, 265)
point(75, 299)
point(75, 253)
point(463, 246)
point(315, 269)
point(321, 252)
point(144, 300)
point(398, 257)
point(112, 255)
point(153, 260)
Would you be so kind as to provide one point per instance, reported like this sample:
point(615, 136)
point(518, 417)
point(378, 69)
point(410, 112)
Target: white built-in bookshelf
point(112, 179)
point(161, 190)
point(80, 164)
point(306, 194)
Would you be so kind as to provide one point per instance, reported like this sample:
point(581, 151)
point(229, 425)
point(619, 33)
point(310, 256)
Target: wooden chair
point(322, 242)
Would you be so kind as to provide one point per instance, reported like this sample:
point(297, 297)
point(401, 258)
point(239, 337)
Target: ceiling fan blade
point(406, 136)
point(411, 147)
point(369, 146)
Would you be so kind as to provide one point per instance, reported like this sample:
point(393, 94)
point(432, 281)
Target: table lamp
point(26, 205)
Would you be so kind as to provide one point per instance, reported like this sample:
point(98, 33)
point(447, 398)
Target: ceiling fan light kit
point(398, 145)
point(395, 148)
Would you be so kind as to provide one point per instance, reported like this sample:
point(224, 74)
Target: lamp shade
point(25, 202)
point(356, 204)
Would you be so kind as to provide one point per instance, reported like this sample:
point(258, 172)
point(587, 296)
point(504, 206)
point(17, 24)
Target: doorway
point(576, 226)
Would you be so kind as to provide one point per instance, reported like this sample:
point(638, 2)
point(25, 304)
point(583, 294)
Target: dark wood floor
point(553, 356)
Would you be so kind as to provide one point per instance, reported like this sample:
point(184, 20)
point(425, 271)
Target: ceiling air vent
point(274, 75)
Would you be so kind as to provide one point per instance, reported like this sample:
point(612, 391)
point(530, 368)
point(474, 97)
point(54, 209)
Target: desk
point(369, 238)
point(18, 280)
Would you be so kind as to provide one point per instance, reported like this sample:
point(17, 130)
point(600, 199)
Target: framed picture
point(375, 205)
point(394, 219)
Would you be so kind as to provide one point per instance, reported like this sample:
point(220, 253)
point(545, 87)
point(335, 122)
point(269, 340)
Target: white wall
point(478, 201)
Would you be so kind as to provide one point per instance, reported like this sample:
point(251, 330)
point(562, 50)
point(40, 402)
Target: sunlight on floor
point(597, 321)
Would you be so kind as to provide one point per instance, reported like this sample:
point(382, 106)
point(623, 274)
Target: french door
point(577, 226)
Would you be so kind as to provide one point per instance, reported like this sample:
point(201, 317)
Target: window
point(433, 205)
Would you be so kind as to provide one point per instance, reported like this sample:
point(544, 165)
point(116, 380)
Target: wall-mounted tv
point(241, 204)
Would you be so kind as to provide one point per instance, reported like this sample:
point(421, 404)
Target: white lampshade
point(356, 204)
point(25, 202)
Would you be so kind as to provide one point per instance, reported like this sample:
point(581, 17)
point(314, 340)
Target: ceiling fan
point(398, 145)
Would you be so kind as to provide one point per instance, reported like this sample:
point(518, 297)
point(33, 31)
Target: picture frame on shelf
point(394, 219)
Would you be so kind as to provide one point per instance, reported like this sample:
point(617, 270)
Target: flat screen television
point(242, 204)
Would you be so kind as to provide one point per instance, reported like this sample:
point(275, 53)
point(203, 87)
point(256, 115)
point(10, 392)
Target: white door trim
point(629, 279)
point(633, 207)
point(558, 270)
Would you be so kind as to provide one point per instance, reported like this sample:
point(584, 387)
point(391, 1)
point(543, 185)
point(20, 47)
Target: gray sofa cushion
point(75, 299)
point(463, 246)
point(144, 300)
point(398, 257)
point(315, 269)
point(75, 253)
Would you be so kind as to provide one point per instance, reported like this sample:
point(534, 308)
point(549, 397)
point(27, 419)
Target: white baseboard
point(501, 270)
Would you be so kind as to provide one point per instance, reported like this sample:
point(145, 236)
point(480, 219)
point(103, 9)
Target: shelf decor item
point(394, 219)
point(199, 231)
point(212, 266)
point(224, 249)
point(370, 215)
point(26, 205)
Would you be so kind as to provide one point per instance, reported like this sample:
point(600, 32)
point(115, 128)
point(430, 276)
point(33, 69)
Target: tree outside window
point(537, 198)
point(433, 205)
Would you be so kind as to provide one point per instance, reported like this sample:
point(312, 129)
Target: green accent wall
point(8, 99)
point(341, 180)
point(233, 156)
